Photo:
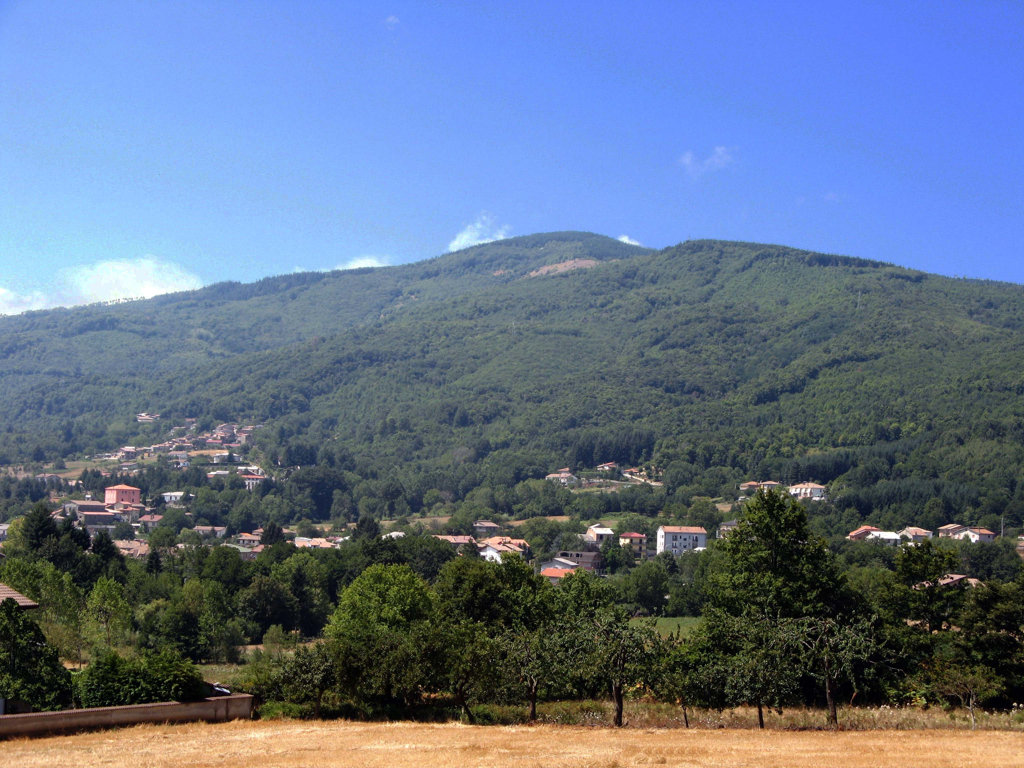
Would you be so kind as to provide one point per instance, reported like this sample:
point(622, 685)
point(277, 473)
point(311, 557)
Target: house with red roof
point(121, 494)
point(493, 548)
point(859, 534)
point(555, 575)
point(635, 541)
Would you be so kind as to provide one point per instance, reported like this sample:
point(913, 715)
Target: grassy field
point(667, 625)
point(286, 744)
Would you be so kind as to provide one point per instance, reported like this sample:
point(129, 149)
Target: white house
point(975, 535)
point(681, 538)
point(966, 533)
point(493, 548)
point(810, 491)
point(885, 537)
point(563, 476)
point(915, 534)
point(598, 534)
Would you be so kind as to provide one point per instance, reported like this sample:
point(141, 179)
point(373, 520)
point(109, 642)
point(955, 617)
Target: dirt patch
point(564, 266)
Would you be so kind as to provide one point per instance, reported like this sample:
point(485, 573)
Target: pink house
point(122, 494)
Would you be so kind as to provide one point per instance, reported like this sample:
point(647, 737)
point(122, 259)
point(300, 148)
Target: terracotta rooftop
point(557, 573)
point(23, 602)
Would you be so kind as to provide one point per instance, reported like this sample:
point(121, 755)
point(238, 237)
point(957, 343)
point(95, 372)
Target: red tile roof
point(557, 573)
point(22, 601)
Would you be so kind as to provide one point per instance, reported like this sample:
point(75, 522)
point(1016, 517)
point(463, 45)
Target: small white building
point(252, 482)
point(809, 491)
point(976, 535)
point(563, 477)
point(914, 534)
point(598, 534)
point(493, 548)
point(681, 538)
point(891, 538)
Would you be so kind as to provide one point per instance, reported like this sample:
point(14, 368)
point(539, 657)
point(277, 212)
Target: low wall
point(215, 709)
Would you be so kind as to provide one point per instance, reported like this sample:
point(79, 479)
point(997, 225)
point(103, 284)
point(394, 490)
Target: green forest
point(709, 362)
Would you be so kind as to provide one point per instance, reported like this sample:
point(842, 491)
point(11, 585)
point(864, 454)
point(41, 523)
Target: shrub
point(113, 680)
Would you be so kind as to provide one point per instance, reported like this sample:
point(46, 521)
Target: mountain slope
point(715, 360)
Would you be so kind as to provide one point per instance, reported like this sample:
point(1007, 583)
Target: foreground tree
point(833, 649)
point(308, 675)
point(969, 685)
point(30, 669)
point(378, 634)
point(779, 608)
point(604, 644)
point(108, 613)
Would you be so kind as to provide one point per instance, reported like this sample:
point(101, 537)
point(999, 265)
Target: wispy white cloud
point(696, 166)
point(480, 231)
point(12, 303)
point(361, 262)
point(139, 278)
point(392, 21)
point(104, 281)
point(629, 240)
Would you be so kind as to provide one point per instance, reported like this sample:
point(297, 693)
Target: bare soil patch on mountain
point(564, 266)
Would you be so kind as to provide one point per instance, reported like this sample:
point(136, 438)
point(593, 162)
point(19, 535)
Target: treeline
point(390, 625)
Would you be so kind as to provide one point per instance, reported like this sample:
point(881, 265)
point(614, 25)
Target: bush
point(494, 714)
point(284, 710)
point(112, 680)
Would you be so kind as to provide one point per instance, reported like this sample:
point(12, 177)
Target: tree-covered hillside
point(713, 361)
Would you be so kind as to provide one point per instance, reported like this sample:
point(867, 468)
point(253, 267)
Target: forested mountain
point(714, 361)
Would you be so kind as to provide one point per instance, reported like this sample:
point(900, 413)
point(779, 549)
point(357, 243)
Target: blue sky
point(147, 147)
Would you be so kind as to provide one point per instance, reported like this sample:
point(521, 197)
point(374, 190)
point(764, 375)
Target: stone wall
point(215, 709)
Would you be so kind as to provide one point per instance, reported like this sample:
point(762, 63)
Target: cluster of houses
point(913, 535)
point(489, 542)
point(178, 449)
point(123, 504)
point(676, 539)
point(565, 477)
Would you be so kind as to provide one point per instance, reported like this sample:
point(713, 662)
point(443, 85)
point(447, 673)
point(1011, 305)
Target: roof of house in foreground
point(6, 592)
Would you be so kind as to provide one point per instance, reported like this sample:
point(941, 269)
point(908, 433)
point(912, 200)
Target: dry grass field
point(289, 744)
